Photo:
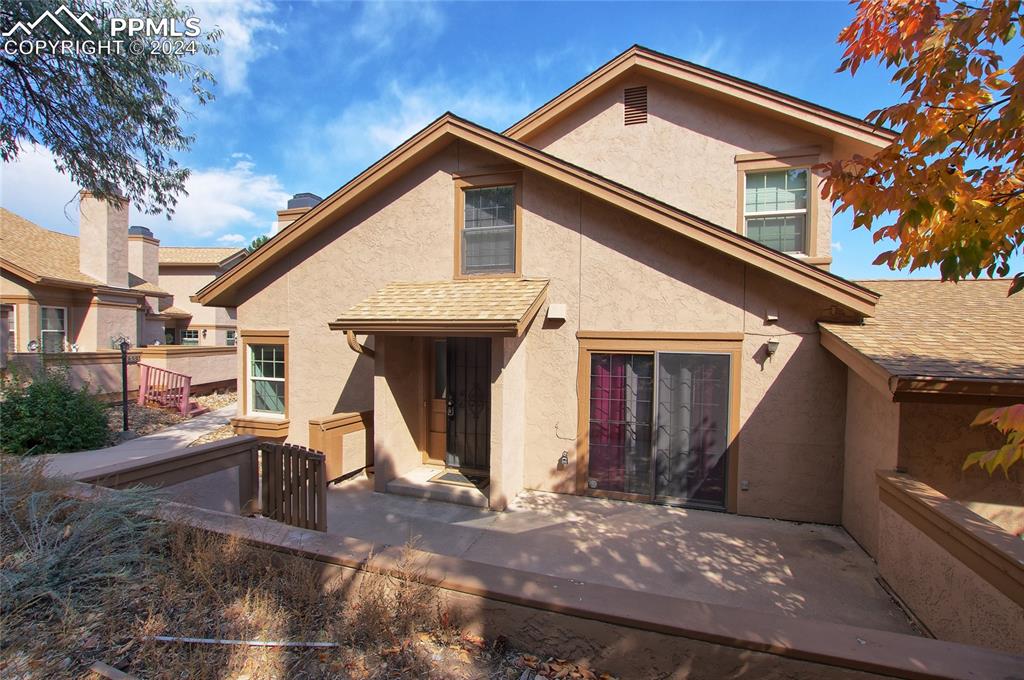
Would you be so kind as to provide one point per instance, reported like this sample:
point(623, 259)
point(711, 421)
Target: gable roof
point(929, 334)
point(708, 81)
point(174, 255)
point(450, 127)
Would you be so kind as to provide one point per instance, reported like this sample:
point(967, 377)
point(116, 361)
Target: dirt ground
point(96, 581)
point(143, 420)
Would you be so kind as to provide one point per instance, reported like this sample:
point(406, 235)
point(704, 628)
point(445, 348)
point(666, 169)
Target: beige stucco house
point(81, 293)
point(626, 294)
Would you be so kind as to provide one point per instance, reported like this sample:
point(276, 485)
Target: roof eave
point(473, 327)
point(706, 79)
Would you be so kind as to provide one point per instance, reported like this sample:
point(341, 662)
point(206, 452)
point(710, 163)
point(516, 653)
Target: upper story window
point(489, 226)
point(53, 328)
point(231, 338)
point(190, 337)
point(775, 208)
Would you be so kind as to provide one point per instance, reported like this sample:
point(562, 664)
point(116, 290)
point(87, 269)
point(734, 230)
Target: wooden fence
point(294, 485)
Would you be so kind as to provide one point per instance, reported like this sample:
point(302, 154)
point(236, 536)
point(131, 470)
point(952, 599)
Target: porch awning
point(460, 307)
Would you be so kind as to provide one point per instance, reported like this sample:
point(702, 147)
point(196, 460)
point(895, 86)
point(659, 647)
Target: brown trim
point(650, 342)
point(991, 553)
point(327, 435)
point(475, 181)
point(846, 293)
point(771, 162)
point(261, 337)
point(704, 79)
point(269, 428)
point(186, 350)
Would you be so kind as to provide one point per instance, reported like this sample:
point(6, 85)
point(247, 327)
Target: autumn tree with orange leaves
point(949, 191)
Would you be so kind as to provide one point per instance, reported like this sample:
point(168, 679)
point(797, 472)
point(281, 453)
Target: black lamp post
point(124, 343)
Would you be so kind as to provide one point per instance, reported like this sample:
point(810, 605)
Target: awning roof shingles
point(933, 329)
point(491, 306)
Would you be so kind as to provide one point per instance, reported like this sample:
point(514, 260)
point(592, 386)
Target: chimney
point(144, 254)
point(102, 246)
point(298, 205)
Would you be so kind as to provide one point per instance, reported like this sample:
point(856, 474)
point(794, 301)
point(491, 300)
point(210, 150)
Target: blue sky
point(310, 93)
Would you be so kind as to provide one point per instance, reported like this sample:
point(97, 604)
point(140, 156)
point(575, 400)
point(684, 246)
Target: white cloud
point(235, 198)
point(367, 129)
point(381, 23)
point(226, 198)
point(231, 239)
point(247, 30)
point(32, 188)
point(837, 247)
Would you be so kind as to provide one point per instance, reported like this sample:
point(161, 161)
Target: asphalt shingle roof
point(937, 329)
point(182, 255)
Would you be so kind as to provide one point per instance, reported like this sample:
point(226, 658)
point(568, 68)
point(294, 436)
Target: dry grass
point(86, 581)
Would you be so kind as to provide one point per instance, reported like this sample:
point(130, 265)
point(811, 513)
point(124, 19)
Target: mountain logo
point(68, 15)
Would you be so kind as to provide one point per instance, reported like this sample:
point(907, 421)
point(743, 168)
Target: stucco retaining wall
point(923, 542)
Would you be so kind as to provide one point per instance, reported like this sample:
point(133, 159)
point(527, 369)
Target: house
point(83, 293)
point(182, 272)
point(70, 299)
point(624, 295)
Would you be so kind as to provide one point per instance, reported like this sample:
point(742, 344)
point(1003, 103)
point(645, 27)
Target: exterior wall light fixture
point(772, 346)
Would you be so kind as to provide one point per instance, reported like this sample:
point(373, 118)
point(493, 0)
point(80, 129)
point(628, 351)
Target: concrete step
point(418, 486)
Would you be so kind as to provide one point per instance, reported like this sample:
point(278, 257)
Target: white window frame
point(805, 211)
point(231, 338)
point(181, 337)
point(251, 392)
point(12, 329)
point(64, 340)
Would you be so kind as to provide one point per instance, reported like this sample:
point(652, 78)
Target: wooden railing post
point(186, 390)
point(143, 383)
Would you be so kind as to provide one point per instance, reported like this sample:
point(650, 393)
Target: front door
point(468, 403)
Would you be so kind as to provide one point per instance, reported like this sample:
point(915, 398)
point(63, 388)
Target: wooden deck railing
point(164, 388)
point(294, 485)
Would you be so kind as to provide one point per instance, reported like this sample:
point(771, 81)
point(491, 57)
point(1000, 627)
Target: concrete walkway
point(794, 569)
point(160, 444)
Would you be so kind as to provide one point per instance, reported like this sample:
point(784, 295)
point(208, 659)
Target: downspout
point(354, 345)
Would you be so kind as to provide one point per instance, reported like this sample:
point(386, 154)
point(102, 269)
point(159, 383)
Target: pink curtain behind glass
point(607, 422)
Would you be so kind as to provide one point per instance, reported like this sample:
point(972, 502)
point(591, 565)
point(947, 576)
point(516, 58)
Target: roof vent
point(140, 231)
point(635, 99)
point(303, 200)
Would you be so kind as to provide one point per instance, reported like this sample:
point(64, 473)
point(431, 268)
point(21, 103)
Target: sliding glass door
point(659, 426)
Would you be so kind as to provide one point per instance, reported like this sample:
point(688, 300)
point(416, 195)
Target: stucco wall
point(613, 272)
point(872, 440)
point(184, 281)
point(952, 600)
point(203, 365)
point(934, 441)
point(684, 155)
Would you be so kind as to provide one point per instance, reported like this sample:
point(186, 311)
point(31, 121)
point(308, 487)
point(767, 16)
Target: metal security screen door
point(659, 427)
point(469, 403)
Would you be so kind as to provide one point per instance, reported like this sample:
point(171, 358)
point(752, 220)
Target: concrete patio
point(800, 570)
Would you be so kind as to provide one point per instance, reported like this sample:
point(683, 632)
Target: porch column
point(397, 411)
point(508, 419)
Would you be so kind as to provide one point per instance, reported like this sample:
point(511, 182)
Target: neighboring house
point(183, 271)
point(619, 296)
point(82, 293)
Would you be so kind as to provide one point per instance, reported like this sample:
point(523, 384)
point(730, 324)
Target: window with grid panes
point(775, 208)
point(266, 379)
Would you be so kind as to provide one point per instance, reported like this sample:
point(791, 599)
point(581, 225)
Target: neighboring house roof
point(173, 255)
point(926, 336)
point(39, 252)
point(175, 313)
point(700, 78)
point(450, 127)
point(488, 306)
point(50, 257)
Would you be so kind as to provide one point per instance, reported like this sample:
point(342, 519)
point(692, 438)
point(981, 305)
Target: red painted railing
point(164, 388)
